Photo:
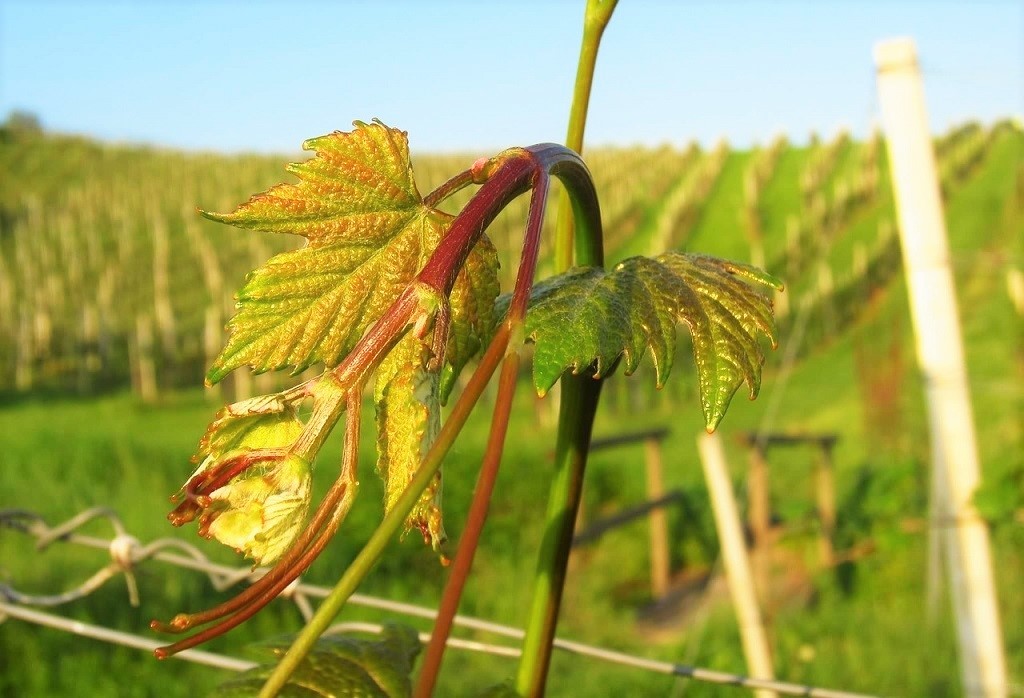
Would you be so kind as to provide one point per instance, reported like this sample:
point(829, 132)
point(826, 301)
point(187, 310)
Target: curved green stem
point(577, 183)
point(579, 395)
point(578, 404)
point(595, 19)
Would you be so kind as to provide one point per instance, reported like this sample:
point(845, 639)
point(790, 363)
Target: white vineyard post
point(940, 355)
point(735, 560)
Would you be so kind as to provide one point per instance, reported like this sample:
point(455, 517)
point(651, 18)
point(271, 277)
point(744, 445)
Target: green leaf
point(265, 421)
point(340, 667)
point(368, 233)
point(408, 419)
point(587, 318)
point(472, 308)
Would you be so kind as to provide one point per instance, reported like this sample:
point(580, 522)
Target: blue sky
point(480, 76)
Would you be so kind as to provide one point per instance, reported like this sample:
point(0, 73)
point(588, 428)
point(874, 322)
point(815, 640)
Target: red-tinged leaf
point(368, 234)
point(248, 492)
point(472, 306)
point(408, 419)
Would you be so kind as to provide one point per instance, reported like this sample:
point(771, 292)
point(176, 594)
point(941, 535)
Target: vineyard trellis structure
point(89, 240)
point(119, 306)
point(127, 552)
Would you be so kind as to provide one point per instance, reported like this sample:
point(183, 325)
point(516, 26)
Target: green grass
point(142, 457)
point(133, 466)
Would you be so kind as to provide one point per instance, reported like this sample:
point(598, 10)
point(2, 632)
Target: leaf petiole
point(371, 552)
point(480, 505)
point(450, 187)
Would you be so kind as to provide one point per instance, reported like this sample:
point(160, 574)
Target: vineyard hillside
point(114, 295)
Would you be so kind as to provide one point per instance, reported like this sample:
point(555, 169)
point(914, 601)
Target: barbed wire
point(126, 552)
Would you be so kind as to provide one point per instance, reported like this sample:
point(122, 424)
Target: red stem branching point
point(544, 159)
point(423, 307)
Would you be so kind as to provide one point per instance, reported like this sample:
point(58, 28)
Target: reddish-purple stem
point(300, 556)
point(510, 179)
point(477, 516)
point(459, 181)
point(507, 176)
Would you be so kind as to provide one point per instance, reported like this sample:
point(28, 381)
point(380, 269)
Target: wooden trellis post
point(940, 354)
point(653, 508)
point(144, 369)
point(90, 364)
point(163, 310)
point(759, 512)
point(735, 560)
point(213, 280)
point(660, 562)
point(758, 493)
point(825, 495)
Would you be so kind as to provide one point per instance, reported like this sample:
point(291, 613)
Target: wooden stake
point(163, 311)
point(145, 368)
point(759, 517)
point(213, 329)
point(759, 514)
point(734, 557)
point(937, 508)
point(825, 494)
point(90, 363)
point(658, 520)
point(24, 355)
point(940, 354)
point(213, 279)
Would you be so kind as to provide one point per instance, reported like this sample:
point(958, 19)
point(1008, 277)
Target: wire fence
point(127, 553)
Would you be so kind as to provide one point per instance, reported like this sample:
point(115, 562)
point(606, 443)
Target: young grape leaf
point(408, 419)
point(368, 233)
point(247, 492)
point(339, 667)
point(472, 307)
point(587, 318)
point(265, 421)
